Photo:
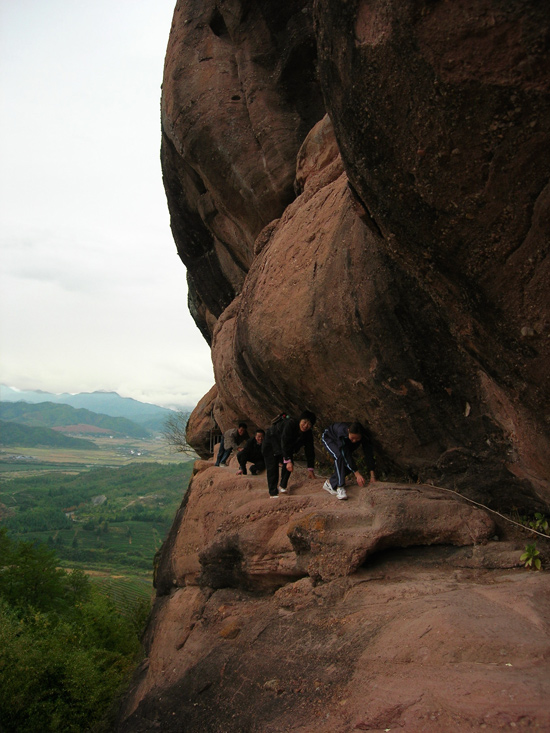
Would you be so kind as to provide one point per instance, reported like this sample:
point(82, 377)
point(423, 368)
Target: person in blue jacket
point(341, 439)
point(282, 440)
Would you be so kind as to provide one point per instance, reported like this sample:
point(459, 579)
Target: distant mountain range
point(152, 417)
point(68, 419)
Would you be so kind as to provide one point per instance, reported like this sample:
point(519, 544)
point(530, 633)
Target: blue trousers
point(223, 453)
point(341, 469)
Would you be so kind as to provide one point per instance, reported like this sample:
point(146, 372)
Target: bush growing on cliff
point(175, 433)
point(65, 650)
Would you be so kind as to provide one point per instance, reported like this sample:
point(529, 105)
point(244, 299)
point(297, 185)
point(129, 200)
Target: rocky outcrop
point(245, 544)
point(386, 261)
point(359, 190)
point(307, 613)
point(239, 95)
point(201, 423)
point(441, 113)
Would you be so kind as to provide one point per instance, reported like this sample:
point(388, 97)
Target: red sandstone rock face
point(256, 543)
point(411, 295)
point(291, 614)
point(434, 653)
point(441, 114)
point(201, 423)
point(390, 265)
point(239, 95)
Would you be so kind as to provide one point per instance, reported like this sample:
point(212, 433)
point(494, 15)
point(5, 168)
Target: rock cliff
point(360, 194)
point(403, 608)
point(359, 190)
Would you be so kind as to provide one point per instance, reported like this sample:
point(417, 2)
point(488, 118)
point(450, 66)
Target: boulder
point(202, 427)
point(235, 535)
point(388, 261)
point(397, 608)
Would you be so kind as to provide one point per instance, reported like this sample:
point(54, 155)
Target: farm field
point(114, 452)
point(107, 521)
point(126, 590)
point(107, 548)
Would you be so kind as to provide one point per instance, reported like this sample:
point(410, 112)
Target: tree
point(29, 575)
point(66, 650)
point(174, 433)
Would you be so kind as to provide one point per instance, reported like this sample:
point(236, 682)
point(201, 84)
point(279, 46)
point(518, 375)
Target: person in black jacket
point(282, 440)
point(252, 453)
point(341, 439)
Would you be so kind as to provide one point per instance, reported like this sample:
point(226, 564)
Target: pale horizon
point(93, 295)
point(168, 405)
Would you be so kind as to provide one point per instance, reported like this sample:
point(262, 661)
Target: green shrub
point(65, 649)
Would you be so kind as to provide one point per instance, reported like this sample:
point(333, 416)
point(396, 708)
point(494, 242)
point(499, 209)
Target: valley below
point(107, 518)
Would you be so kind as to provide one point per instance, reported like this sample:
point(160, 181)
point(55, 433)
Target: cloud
point(93, 295)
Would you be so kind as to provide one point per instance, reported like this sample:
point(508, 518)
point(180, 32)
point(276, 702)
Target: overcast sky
point(92, 293)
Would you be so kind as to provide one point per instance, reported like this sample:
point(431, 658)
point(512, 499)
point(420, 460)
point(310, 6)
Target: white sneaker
point(328, 487)
point(282, 491)
point(274, 496)
point(341, 493)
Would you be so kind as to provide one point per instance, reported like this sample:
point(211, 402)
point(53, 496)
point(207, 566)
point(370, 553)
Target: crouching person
point(341, 439)
point(230, 441)
point(282, 440)
point(252, 453)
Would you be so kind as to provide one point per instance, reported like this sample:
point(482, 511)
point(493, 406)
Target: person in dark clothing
point(231, 439)
point(282, 440)
point(341, 439)
point(252, 453)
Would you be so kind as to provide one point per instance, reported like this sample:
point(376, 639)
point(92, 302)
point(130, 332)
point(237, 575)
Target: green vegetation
point(66, 651)
point(104, 519)
point(70, 640)
point(149, 416)
point(538, 523)
point(14, 434)
point(79, 530)
point(50, 415)
point(80, 523)
point(531, 557)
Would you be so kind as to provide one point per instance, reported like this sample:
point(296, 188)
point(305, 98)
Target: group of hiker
point(274, 450)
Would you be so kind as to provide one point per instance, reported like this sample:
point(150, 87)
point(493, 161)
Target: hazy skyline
point(93, 295)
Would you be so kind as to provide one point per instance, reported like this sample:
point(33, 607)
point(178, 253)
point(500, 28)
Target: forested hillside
point(148, 415)
point(14, 434)
point(65, 648)
point(50, 415)
point(77, 553)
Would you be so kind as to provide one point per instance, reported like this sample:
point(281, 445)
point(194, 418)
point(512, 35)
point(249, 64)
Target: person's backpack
point(281, 416)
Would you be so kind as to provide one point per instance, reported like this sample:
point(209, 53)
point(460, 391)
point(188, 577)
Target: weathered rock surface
point(402, 282)
point(201, 422)
point(437, 111)
point(304, 613)
point(253, 542)
point(239, 94)
point(360, 191)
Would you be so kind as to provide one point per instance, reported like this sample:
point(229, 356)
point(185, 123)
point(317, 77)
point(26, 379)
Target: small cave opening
point(411, 556)
point(217, 25)
point(299, 82)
